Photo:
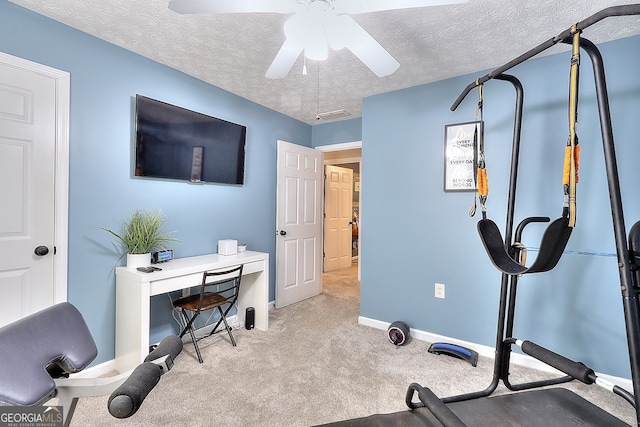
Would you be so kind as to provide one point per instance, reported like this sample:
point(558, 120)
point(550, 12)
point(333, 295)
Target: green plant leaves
point(143, 233)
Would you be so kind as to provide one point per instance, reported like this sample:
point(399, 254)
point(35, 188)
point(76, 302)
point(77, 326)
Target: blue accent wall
point(104, 82)
point(415, 234)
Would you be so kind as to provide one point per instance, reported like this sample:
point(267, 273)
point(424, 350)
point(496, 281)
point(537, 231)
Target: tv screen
point(176, 143)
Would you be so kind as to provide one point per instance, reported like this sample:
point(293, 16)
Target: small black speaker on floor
point(249, 318)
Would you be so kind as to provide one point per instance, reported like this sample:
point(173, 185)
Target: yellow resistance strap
point(572, 151)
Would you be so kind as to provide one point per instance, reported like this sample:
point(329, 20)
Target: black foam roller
point(575, 369)
point(126, 399)
point(170, 345)
point(441, 411)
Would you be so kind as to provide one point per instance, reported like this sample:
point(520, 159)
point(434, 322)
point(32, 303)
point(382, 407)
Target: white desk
point(134, 290)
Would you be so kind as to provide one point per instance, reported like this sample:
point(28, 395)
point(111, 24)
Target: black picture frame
point(461, 155)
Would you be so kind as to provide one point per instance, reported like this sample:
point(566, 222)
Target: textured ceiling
point(233, 51)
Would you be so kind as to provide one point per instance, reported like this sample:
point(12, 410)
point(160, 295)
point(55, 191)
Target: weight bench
point(40, 351)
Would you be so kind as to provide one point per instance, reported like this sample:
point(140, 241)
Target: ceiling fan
point(315, 26)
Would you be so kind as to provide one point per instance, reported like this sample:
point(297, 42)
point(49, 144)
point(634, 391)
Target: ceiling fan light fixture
point(316, 47)
point(311, 36)
point(308, 28)
point(330, 18)
point(336, 32)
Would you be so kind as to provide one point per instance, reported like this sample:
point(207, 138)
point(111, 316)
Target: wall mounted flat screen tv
point(176, 143)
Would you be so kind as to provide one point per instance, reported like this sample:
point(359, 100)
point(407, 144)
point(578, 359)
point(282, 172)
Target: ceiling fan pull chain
point(318, 99)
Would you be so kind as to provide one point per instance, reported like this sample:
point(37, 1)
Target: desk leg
point(132, 324)
point(254, 292)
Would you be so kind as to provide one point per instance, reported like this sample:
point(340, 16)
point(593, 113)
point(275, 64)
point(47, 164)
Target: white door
point(338, 199)
point(30, 128)
point(298, 223)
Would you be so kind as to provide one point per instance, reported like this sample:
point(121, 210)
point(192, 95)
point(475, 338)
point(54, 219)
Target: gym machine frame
point(626, 266)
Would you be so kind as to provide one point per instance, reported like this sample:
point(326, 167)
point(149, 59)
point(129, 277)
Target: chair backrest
point(224, 283)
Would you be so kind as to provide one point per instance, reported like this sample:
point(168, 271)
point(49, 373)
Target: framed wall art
point(460, 156)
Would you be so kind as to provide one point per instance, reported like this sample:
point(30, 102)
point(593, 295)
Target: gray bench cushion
point(56, 338)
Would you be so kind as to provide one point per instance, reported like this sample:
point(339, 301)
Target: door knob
point(41, 250)
point(283, 233)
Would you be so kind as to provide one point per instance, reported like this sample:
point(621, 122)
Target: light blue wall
point(337, 132)
point(415, 234)
point(104, 82)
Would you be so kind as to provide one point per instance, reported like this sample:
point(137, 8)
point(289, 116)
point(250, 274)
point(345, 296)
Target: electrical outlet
point(439, 290)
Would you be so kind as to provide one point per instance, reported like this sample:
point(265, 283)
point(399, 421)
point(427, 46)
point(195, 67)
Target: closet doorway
point(349, 155)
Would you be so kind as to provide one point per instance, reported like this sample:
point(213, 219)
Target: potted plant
point(141, 235)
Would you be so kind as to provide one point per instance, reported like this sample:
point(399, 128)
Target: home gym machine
point(40, 351)
point(534, 405)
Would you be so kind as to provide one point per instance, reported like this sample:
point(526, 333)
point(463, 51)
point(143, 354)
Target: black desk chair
point(219, 289)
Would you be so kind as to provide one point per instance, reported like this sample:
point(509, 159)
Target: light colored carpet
point(314, 365)
point(342, 284)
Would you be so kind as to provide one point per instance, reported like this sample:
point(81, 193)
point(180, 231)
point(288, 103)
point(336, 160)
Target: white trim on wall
point(340, 147)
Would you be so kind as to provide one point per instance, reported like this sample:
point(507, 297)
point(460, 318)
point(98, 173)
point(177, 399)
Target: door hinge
point(55, 250)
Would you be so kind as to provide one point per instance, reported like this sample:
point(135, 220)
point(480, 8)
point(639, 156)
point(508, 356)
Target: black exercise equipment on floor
point(453, 350)
point(398, 332)
point(41, 350)
point(516, 409)
point(543, 406)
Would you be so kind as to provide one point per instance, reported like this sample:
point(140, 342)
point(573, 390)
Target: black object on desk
point(149, 269)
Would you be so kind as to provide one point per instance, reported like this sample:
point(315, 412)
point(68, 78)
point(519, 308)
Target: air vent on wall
point(332, 115)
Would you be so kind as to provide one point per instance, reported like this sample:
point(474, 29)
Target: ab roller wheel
point(398, 333)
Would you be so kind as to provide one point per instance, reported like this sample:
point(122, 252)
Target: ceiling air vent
point(332, 115)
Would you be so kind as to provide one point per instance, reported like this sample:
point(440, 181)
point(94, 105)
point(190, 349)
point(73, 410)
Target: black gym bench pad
point(554, 407)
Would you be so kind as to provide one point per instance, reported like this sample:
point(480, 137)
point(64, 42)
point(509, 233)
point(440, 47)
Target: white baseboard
point(483, 350)
point(486, 351)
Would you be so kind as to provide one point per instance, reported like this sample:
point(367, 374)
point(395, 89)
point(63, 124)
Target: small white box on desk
point(227, 247)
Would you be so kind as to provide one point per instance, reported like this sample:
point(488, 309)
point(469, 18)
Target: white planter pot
point(138, 260)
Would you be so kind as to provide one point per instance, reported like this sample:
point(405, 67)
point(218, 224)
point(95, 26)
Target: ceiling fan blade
point(236, 6)
point(366, 48)
point(284, 60)
point(365, 6)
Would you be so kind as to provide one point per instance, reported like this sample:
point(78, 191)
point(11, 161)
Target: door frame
point(342, 147)
point(334, 201)
point(61, 174)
